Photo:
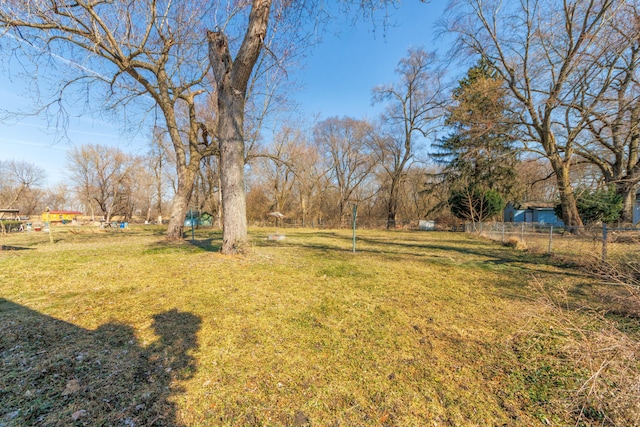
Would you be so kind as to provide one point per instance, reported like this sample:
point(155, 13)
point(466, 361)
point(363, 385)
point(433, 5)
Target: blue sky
point(343, 70)
point(336, 80)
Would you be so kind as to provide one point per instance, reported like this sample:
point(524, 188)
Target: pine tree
point(479, 154)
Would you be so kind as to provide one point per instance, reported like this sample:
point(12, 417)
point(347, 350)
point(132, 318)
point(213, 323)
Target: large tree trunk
point(231, 137)
point(628, 193)
point(232, 76)
point(570, 215)
point(392, 205)
point(180, 204)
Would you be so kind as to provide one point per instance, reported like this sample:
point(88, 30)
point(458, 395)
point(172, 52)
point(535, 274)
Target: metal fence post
point(604, 242)
point(355, 215)
point(550, 238)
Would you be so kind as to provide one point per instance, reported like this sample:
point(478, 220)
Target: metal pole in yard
point(193, 237)
point(355, 214)
point(522, 233)
point(550, 238)
point(503, 232)
point(49, 225)
point(604, 242)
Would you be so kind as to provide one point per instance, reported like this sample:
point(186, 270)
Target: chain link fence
point(362, 223)
point(606, 243)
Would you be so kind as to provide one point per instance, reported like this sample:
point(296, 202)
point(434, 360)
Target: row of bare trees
point(315, 176)
point(107, 182)
point(159, 56)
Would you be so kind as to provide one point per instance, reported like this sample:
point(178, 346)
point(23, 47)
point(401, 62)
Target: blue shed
point(541, 213)
point(198, 219)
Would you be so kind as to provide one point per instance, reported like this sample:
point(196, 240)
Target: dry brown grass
point(120, 328)
point(598, 345)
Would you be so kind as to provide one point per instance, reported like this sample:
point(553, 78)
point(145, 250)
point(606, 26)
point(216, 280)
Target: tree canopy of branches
point(103, 177)
point(346, 147)
point(543, 50)
point(18, 185)
point(609, 103)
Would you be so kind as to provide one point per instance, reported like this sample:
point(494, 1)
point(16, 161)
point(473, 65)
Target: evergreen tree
point(601, 205)
point(479, 154)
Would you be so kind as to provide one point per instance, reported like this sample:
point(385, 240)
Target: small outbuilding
point(198, 219)
point(12, 213)
point(426, 225)
point(60, 217)
point(534, 212)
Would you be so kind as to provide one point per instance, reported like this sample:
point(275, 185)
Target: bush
point(10, 225)
point(475, 204)
point(603, 205)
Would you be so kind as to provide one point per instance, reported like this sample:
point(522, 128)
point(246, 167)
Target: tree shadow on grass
point(14, 248)
point(208, 245)
point(321, 240)
point(487, 252)
point(54, 373)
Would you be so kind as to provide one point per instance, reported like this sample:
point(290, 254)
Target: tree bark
point(392, 206)
point(230, 132)
point(627, 190)
point(232, 76)
point(570, 215)
point(180, 204)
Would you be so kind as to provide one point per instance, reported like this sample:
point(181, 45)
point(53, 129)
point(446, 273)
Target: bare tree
point(57, 197)
point(415, 104)
point(159, 161)
point(542, 50)
point(311, 178)
point(535, 180)
point(345, 144)
point(206, 194)
point(232, 75)
point(609, 102)
point(279, 168)
point(18, 183)
point(102, 176)
point(232, 78)
point(419, 202)
point(291, 175)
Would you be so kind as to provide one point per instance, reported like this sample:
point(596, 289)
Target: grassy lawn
point(416, 328)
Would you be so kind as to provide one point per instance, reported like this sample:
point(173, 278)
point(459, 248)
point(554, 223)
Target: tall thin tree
point(414, 106)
